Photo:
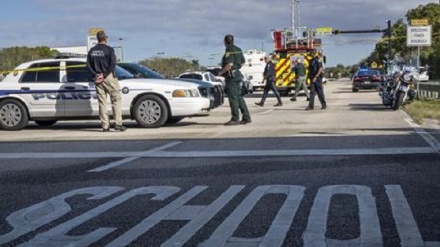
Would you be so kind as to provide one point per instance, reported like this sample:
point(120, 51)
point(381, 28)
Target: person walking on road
point(101, 61)
point(232, 61)
point(300, 82)
point(316, 87)
point(269, 76)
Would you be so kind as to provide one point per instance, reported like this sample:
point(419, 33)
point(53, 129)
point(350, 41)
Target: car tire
point(46, 122)
point(173, 120)
point(150, 111)
point(13, 115)
point(354, 90)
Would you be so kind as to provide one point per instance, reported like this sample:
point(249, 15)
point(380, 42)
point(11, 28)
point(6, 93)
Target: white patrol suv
point(49, 90)
point(254, 67)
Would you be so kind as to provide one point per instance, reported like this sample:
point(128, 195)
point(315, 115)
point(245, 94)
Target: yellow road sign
point(324, 30)
point(419, 22)
point(95, 30)
point(373, 65)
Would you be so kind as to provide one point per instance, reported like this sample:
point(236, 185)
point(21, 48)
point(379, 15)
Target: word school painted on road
point(29, 219)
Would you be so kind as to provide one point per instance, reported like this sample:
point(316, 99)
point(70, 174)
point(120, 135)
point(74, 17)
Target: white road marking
point(200, 216)
point(155, 218)
point(29, 219)
point(42, 214)
point(222, 154)
point(406, 224)
point(314, 235)
point(130, 159)
point(223, 235)
point(434, 143)
point(57, 236)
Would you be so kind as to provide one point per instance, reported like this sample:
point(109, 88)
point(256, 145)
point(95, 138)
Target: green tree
point(170, 67)
point(14, 56)
point(429, 55)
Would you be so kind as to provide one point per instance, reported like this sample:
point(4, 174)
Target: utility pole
point(389, 47)
point(295, 18)
point(389, 42)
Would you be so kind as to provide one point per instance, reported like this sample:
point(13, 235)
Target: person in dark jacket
point(269, 77)
point(101, 61)
point(316, 87)
point(232, 61)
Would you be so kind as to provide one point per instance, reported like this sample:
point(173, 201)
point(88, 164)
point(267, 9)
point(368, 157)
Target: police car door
point(80, 89)
point(40, 87)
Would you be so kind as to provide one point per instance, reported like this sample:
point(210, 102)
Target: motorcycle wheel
point(398, 101)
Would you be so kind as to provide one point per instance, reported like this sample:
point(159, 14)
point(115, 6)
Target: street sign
point(419, 22)
point(94, 30)
point(91, 38)
point(373, 65)
point(324, 30)
point(418, 35)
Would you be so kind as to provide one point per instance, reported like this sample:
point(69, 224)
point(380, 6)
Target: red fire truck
point(286, 50)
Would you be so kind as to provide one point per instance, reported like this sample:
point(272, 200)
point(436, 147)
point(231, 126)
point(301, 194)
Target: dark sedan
point(366, 79)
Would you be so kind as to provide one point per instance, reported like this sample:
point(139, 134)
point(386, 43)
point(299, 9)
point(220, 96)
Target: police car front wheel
point(13, 115)
point(150, 111)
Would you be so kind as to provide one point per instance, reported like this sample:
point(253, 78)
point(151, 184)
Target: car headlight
point(406, 77)
point(182, 93)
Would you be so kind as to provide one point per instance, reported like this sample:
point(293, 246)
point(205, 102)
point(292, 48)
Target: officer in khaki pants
point(101, 61)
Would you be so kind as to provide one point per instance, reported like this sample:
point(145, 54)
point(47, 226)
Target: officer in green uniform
point(231, 64)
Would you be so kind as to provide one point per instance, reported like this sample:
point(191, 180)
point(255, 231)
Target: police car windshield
point(151, 73)
point(367, 72)
point(122, 74)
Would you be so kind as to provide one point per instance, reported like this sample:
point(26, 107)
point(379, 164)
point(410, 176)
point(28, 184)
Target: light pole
point(122, 49)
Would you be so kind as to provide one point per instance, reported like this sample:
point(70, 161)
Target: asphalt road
point(356, 174)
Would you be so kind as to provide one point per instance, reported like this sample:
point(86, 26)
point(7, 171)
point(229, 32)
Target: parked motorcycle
point(399, 87)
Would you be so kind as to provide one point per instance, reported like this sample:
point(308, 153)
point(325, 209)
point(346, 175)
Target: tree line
point(13, 56)
point(171, 67)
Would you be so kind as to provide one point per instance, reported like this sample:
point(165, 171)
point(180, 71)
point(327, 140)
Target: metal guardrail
point(429, 90)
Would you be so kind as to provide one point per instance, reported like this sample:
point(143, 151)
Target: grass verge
point(420, 109)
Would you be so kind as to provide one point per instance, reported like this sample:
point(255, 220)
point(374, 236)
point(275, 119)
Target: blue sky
point(195, 29)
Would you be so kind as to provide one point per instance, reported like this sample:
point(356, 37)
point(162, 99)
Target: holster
point(229, 74)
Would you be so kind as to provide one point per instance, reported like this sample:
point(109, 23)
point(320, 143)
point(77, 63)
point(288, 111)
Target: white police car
point(49, 90)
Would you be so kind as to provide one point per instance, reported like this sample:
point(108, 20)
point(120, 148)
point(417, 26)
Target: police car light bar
point(70, 55)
